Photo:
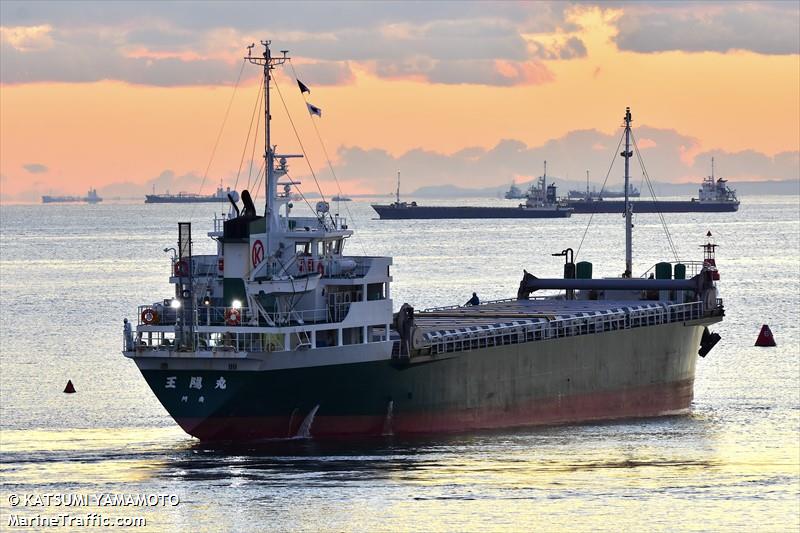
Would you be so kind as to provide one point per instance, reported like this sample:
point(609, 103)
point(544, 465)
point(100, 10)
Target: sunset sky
point(126, 97)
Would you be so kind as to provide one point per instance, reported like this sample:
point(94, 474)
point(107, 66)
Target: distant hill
point(743, 188)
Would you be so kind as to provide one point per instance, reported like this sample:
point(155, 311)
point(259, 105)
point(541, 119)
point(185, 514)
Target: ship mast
point(627, 154)
point(587, 184)
point(269, 63)
point(544, 183)
point(398, 188)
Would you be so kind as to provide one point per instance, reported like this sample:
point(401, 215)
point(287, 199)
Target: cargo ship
point(187, 198)
point(91, 198)
point(514, 192)
point(280, 334)
point(541, 202)
point(595, 194)
point(715, 196)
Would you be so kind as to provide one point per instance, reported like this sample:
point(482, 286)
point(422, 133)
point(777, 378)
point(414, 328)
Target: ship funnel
point(233, 197)
point(249, 206)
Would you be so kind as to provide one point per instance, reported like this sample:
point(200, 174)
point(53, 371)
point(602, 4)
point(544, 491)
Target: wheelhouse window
point(302, 248)
point(376, 291)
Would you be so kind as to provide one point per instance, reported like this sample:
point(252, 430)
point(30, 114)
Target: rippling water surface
point(70, 273)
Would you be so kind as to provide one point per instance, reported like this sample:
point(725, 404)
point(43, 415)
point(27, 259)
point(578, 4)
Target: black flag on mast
point(314, 110)
point(303, 88)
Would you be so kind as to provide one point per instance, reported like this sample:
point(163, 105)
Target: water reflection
point(511, 477)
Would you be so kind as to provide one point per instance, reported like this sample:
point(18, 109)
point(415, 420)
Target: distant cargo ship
point(514, 192)
point(541, 202)
point(632, 193)
point(338, 198)
point(187, 198)
point(714, 197)
point(90, 198)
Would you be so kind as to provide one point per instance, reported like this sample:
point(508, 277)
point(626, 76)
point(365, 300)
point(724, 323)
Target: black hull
point(150, 199)
point(388, 212)
point(650, 206)
point(639, 372)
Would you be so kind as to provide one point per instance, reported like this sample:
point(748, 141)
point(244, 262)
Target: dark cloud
point(314, 17)
point(172, 43)
point(762, 27)
point(570, 49)
point(35, 168)
point(325, 73)
point(77, 63)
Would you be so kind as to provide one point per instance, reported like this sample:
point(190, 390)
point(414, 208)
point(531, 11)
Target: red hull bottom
point(653, 400)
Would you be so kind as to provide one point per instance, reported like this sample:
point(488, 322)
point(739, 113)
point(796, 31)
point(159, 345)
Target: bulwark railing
point(544, 329)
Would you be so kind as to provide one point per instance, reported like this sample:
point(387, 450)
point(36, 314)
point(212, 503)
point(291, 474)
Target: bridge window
point(302, 248)
point(376, 291)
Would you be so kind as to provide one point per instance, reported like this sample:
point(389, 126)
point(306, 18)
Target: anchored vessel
point(90, 198)
point(187, 198)
point(541, 202)
point(514, 192)
point(715, 196)
point(595, 194)
point(281, 334)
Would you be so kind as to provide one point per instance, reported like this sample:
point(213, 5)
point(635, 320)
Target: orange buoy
point(70, 388)
point(765, 338)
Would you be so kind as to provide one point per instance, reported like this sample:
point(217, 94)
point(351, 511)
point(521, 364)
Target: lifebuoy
point(181, 268)
point(150, 316)
point(321, 268)
point(221, 264)
point(233, 316)
point(310, 265)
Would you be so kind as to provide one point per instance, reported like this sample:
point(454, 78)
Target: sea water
point(70, 273)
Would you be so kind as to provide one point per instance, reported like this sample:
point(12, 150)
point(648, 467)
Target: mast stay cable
point(646, 176)
point(250, 176)
point(588, 224)
point(221, 129)
point(256, 109)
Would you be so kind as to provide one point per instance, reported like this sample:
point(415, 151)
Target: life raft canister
point(181, 268)
point(150, 316)
point(233, 316)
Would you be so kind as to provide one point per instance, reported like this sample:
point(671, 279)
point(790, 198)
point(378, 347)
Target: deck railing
point(566, 327)
point(693, 268)
point(222, 316)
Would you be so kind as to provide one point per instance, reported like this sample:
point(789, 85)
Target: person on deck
point(128, 334)
point(474, 300)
